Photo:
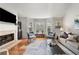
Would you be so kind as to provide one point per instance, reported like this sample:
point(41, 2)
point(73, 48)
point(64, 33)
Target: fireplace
point(6, 38)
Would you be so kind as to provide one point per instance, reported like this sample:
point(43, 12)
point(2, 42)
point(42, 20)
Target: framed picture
point(76, 22)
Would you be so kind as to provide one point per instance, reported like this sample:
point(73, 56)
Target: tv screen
point(6, 16)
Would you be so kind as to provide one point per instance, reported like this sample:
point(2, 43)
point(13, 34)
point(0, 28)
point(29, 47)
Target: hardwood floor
point(19, 48)
point(40, 38)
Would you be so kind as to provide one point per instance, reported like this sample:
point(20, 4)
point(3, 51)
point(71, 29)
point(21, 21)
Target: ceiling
point(37, 10)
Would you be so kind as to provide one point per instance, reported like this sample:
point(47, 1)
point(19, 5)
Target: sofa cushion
point(71, 38)
point(64, 35)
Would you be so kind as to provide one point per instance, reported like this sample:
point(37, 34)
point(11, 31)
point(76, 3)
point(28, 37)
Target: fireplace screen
point(6, 38)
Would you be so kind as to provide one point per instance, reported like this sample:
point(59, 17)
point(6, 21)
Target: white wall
point(58, 9)
point(24, 26)
point(72, 12)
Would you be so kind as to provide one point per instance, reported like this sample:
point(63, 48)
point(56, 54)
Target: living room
point(36, 26)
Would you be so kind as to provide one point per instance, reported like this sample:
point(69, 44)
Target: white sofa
point(71, 45)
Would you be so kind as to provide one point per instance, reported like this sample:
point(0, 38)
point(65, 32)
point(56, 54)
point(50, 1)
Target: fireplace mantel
point(7, 28)
point(6, 32)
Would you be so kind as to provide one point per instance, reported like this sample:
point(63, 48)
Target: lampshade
point(61, 29)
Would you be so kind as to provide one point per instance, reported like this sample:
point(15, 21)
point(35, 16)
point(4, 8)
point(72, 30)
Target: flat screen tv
point(6, 16)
